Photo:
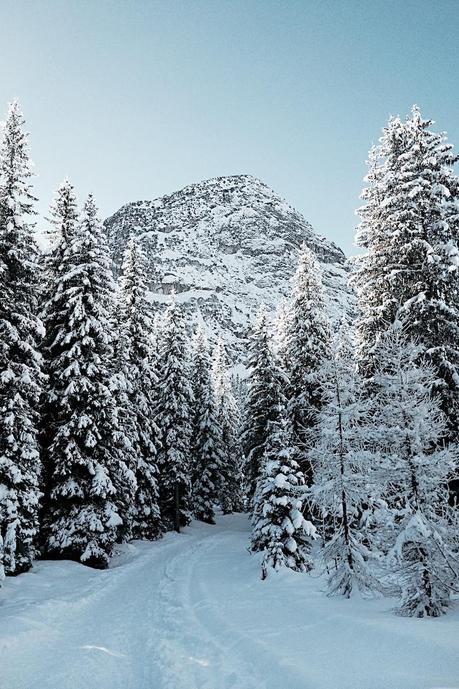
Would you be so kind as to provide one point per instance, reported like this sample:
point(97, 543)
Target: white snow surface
point(190, 611)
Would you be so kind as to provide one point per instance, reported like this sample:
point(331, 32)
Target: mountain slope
point(225, 246)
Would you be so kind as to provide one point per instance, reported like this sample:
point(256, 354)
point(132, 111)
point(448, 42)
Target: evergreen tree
point(410, 272)
point(21, 378)
point(126, 436)
point(263, 397)
point(232, 497)
point(279, 529)
point(137, 365)
point(281, 335)
point(344, 481)
point(88, 473)
point(174, 420)
point(415, 467)
point(377, 302)
point(308, 346)
point(63, 226)
point(207, 448)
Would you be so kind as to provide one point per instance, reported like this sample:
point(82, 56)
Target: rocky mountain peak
point(225, 245)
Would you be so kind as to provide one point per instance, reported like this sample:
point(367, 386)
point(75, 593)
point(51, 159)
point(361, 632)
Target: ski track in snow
point(190, 612)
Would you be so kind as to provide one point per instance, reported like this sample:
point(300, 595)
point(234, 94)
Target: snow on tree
point(136, 357)
point(2, 567)
point(263, 397)
point(21, 378)
point(415, 467)
point(308, 346)
point(207, 448)
point(232, 498)
point(158, 321)
point(88, 477)
point(281, 335)
point(345, 484)
point(279, 529)
point(124, 441)
point(63, 219)
point(174, 419)
point(410, 272)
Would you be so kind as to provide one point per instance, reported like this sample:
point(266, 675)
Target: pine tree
point(345, 484)
point(281, 335)
point(137, 366)
point(208, 458)
point(279, 529)
point(174, 420)
point(410, 229)
point(263, 397)
point(415, 467)
point(377, 302)
point(21, 378)
point(63, 226)
point(88, 473)
point(308, 346)
point(126, 436)
point(232, 498)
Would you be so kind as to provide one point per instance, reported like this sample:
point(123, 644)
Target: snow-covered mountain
point(225, 246)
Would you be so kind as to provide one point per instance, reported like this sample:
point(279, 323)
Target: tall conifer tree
point(263, 397)
point(174, 420)
point(281, 335)
point(136, 357)
point(410, 272)
point(420, 526)
point(88, 472)
point(279, 529)
point(21, 378)
point(208, 458)
point(345, 461)
point(308, 347)
point(63, 218)
point(232, 498)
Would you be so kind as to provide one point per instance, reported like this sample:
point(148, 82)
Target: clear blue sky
point(134, 99)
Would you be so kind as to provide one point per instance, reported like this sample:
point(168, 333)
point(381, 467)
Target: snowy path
point(190, 612)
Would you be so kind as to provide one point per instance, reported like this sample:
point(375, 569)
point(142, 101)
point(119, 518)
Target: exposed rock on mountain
point(225, 246)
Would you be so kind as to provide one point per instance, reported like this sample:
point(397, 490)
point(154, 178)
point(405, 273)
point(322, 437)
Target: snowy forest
point(120, 422)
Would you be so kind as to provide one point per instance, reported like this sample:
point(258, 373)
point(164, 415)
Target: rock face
point(225, 246)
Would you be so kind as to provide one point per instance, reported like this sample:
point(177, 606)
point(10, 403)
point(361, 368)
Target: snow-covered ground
point(190, 612)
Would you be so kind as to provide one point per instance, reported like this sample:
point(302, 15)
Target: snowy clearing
point(190, 611)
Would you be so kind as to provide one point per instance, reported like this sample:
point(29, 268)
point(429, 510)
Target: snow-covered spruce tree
point(88, 473)
point(175, 420)
point(207, 447)
point(63, 219)
point(136, 359)
point(410, 230)
point(308, 346)
point(279, 529)
point(344, 461)
point(281, 335)
point(231, 491)
point(262, 400)
point(126, 437)
point(415, 467)
point(21, 378)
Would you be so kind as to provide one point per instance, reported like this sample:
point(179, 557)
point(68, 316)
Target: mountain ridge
point(225, 245)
